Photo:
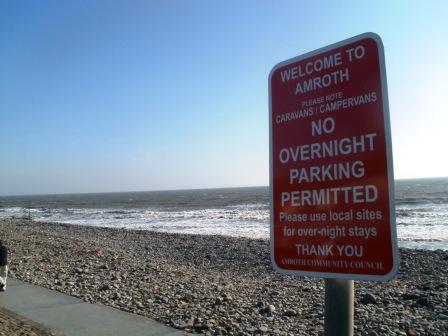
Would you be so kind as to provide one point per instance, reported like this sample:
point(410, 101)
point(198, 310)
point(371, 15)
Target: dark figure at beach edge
point(3, 266)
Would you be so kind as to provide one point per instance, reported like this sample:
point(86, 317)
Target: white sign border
point(387, 131)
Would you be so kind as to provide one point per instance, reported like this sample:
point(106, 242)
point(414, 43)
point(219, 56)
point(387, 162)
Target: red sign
point(332, 210)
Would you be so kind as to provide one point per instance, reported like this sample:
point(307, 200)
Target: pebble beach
point(217, 285)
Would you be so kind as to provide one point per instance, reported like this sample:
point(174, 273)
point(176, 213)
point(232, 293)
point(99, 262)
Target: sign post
point(339, 307)
point(331, 175)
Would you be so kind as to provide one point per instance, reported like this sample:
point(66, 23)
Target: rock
point(184, 324)
point(115, 296)
point(290, 313)
point(263, 329)
point(267, 311)
point(410, 296)
point(442, 317)
point(104, 287)
point(411, 332)
point(227, 297)
point(200, 327)
point(161, 299)
point(368, 299)
point(426, 286)
point(423, 301)
point(210, 324)
point(441, 285)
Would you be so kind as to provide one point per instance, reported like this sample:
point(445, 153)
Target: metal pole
point(339, 309)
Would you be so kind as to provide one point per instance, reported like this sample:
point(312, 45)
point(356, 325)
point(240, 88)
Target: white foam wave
point(416, 228)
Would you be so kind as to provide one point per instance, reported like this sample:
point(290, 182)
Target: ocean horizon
point(421, 211)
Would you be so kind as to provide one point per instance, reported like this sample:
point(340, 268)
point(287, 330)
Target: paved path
point(73, 317)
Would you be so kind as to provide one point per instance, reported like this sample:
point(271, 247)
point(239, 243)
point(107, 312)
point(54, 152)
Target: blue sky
point(148, 95)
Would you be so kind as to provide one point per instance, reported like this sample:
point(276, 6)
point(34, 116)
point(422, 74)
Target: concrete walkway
point(73, 317)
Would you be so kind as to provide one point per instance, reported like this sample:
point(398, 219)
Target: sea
point(421, 211)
